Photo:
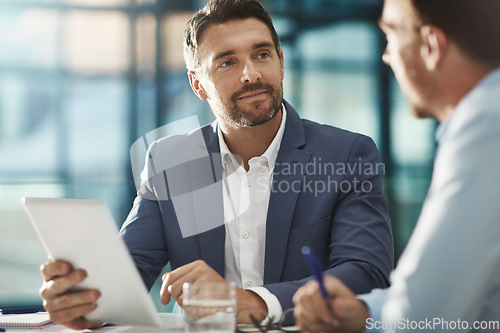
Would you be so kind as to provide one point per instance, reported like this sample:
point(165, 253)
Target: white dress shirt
point(450, 269)
point(246, 201)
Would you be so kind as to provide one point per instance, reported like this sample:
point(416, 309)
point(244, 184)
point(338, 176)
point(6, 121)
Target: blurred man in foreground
point(445, 55)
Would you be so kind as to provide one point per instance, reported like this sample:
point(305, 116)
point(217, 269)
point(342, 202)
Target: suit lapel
point(212, 242)
point(283, 198)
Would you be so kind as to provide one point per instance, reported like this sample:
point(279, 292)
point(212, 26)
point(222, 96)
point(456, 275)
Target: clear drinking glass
point(209, 307)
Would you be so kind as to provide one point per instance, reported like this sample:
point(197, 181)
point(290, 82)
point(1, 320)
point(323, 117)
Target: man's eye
point(226, 63)
point(263, 55)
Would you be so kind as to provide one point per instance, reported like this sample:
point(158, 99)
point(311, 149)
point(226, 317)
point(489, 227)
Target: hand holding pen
point(316, 269)
point(325, 304)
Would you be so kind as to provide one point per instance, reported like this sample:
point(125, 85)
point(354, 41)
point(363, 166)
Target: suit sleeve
point(360, 243)
point(143, 231)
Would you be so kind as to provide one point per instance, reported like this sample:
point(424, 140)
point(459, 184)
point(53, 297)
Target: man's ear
point(434, 46)
point(196, 86)
point(282, 61)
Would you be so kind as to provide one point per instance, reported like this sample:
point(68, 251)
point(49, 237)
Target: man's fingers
point(180, 300)
point(68, 315)
point(323, 313)
point(73, 317)
point(352, 312)
point(304, 300)
point(193, 276)
point(57, 286)
point(81, 324)
point(309, 297)
point(308, 321)
point(71, 300)
point(195, 272)
point(165, 294)
point(172, 285)
point(65, 307)
point(53, 269)
point(174, 289)
point(312, 312)
point(185, 272)
point(316, 327)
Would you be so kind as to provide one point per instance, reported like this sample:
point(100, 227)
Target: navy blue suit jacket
point(327, 194)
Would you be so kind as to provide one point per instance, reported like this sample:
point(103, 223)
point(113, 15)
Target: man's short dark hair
point(474, 25)
point(218, 12)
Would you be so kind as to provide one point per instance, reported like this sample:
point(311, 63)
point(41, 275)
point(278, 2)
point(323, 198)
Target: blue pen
point(2, 329)
point(19, 310)
point(316, 270)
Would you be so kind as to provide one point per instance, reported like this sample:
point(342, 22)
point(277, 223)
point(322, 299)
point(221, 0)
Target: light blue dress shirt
point(448, 278)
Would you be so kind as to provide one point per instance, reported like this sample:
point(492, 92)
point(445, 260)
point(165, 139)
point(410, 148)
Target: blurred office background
point(81, 80)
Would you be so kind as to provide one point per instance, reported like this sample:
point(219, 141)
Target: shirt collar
point(462, 108)
point(441, 130)
point(271, 152)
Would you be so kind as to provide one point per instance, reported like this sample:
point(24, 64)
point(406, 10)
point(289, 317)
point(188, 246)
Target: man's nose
point(250, 73)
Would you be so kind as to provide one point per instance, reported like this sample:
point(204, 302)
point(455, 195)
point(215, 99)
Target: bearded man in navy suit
point(235, 201)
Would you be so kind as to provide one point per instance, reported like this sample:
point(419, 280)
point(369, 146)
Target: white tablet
point(84, 233)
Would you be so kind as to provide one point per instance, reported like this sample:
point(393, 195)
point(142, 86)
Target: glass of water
point(209, 307)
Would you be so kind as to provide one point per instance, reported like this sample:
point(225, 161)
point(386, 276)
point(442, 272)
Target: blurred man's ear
point(434, 46)
point(196, 86)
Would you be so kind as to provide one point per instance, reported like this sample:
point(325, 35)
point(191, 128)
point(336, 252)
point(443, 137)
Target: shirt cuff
point(374, 302)
point(274, 309)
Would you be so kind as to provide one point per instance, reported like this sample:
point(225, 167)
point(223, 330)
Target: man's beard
point(239, 117)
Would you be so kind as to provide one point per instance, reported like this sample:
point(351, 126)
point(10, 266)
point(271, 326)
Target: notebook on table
point(25, 320)
point(83, 232)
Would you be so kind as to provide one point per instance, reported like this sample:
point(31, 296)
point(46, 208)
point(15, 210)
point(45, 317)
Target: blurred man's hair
point(474, 25)
point(218, 12)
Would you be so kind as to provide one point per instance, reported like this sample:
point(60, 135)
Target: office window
point(96, 129)
point(96, 42)
point(28, 126)
point(338, 76)
point(64, 121)
point(28, 38)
